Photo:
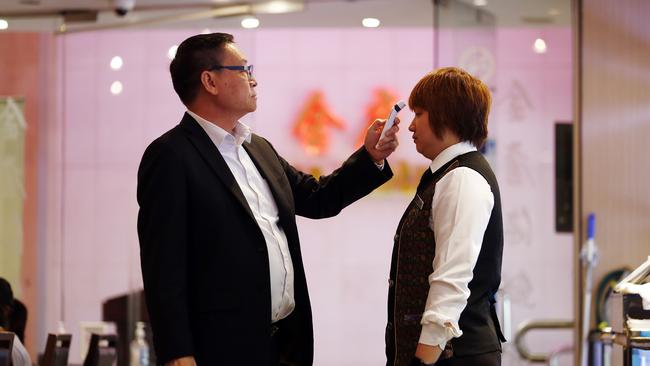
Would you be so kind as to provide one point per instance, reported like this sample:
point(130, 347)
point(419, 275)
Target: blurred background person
point(19, 355)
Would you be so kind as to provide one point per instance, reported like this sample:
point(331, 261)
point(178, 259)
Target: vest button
point(389, 326)
point(391, 283)
point(396, 237)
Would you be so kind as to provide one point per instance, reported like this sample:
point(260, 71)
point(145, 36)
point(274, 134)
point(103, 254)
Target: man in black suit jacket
point(223, 274)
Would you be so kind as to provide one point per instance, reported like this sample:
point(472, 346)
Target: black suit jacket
point(204, 259)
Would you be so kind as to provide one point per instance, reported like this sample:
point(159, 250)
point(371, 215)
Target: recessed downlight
point(171, 52)
point(539, 46)
point(370, 22)
point(116, 88)
point(250, 23)
point(116, 63)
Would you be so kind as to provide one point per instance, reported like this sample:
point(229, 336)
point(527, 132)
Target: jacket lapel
point(199, 138)
point(262, 159)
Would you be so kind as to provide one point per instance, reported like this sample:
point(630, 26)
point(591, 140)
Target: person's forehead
point(232, 53)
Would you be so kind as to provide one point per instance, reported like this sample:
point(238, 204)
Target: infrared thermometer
point(391, 118)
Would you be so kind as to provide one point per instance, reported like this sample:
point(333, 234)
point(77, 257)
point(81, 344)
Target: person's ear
point(209, 82)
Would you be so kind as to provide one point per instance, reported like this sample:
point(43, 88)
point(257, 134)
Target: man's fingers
point(392, 132)
point(377, 125)
point(387, 144)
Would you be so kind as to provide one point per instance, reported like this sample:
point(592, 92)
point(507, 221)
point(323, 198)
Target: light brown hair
point(456, 101)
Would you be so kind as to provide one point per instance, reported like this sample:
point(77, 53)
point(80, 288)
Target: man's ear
point(209, 82)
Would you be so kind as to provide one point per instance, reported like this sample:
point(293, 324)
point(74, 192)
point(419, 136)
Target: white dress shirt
point(461, 209)
point(19, 355)
point(261, 202)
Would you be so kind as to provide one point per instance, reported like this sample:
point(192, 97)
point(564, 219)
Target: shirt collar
point(218, 135)
point(450, 153)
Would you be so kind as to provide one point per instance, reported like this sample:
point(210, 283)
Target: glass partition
point(523, 51)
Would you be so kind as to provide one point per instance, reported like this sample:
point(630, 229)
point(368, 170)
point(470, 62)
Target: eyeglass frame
point(247, 68)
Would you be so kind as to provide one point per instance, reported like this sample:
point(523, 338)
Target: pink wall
point(533, 92)
point(347, 257)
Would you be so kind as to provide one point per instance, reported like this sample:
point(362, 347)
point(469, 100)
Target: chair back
point(57, 350)
point(6, 346)
point(102, 350)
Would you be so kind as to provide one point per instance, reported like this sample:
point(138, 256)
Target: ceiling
point(49, 15)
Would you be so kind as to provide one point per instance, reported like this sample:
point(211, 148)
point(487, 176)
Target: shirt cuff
point(380, 166)
point(434, 334)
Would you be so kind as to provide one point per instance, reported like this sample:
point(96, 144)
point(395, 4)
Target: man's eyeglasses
point(247, 68)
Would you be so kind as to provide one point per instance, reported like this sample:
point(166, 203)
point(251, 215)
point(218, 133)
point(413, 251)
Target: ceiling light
point(480, 2)
point(370, 22)
point(116, 88)
point(206, 31)
point(539, 46)
point(4, 24)
point(250, 23)
point(171, 52)
point(116, 63)
point(278, 7)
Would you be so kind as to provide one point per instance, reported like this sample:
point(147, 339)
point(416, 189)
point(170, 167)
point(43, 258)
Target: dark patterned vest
point(413, 254)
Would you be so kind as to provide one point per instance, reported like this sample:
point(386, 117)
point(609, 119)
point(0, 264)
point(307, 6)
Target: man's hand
point(379, 150)
point(428, 354)
point(183, 361)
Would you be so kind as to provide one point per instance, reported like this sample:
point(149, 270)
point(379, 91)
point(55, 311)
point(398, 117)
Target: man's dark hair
point(193, 56)
point(6, 301)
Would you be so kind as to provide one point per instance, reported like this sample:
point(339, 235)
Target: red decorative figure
point(311, 127)
point(380, 106)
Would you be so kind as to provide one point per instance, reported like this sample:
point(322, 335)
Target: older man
point(221, 263)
